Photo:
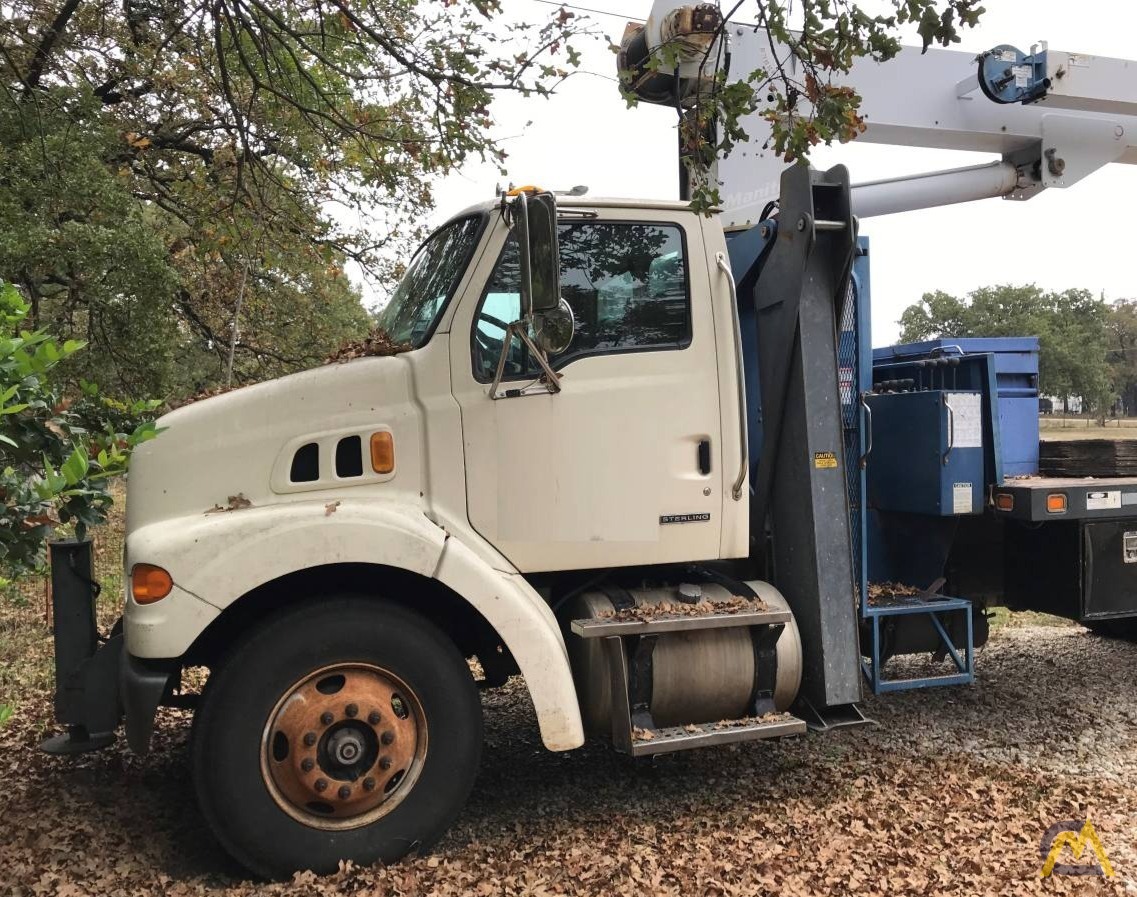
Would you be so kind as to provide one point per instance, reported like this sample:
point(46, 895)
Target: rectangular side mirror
point(536, 229)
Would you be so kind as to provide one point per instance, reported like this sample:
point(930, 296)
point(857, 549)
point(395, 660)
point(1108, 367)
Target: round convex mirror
point(553, 329)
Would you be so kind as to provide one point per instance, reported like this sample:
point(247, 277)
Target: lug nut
point(387, 737)
point(369, 784)
point(374, 718)
point(344, 792)
point(351, 710)
point(326, 718)
point(385, 763)
point(321, 785)
point(308, 764)
point(310, 738)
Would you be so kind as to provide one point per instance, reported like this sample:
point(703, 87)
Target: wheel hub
point(343, 746)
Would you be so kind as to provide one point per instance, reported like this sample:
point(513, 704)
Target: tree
point(164, 163)
point(1070, 325)
point(57, 452)
point(1121, 355)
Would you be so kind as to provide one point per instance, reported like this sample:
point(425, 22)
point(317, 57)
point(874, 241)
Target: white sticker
point(1101, 501)
point(961, 498)
point(1008, 56)
point(1022, 75)
point(966, 419)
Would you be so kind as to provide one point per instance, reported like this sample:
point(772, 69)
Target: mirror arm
point(553, 381)
point(518, 328)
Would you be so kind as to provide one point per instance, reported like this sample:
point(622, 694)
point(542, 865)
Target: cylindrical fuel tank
point(698, 675)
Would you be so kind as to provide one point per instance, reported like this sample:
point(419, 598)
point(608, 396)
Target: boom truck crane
point(641, 456)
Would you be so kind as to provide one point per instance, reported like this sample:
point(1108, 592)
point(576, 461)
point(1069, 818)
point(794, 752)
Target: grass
point(1002, 618)
point(1052, 428)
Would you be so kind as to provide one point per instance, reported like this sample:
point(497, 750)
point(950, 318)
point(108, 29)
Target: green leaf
point(75, 467)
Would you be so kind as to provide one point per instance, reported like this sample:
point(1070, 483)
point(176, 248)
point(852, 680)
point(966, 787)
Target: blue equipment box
point(1015, 360)
point(927, 452)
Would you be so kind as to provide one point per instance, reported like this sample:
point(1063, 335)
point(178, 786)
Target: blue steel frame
point(965, 666)
point(856, 320)
point(747, 250)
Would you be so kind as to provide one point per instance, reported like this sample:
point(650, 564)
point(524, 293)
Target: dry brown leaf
point(376, 343)
point(237, 502)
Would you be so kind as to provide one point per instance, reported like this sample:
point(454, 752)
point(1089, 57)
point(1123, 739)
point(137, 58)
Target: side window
point(500, 307)
point(626, 283)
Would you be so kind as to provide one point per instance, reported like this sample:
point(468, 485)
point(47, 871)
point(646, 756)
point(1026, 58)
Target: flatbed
point(1041, 499)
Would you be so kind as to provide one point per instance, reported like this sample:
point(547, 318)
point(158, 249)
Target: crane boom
point(1054, 117)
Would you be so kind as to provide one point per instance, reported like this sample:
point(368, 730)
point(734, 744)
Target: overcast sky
point(1084, 236)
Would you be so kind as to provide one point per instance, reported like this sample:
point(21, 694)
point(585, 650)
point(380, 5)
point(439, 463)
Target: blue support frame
point(857, 445)
point(933, 607)
point(748, 251)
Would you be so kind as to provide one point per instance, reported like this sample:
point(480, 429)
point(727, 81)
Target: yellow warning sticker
point(824, 460)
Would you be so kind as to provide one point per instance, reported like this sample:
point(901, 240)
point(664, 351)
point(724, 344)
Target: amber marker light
point(149, 583)
point(1004, 501)
point(382, 452)
point(1056, 503)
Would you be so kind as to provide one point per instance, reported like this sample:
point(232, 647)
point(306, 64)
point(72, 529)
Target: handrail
point(744, 460)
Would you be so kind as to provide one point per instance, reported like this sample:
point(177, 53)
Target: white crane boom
point(1053, 116)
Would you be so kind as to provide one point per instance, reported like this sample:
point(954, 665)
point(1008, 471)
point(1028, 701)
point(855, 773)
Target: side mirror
point(536, 228)
point(553, 329)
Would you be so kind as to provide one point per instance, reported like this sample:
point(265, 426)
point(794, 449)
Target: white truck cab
point(454, 498)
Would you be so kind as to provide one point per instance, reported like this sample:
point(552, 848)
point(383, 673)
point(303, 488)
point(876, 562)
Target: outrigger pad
point(822, 719)
point(77, 740)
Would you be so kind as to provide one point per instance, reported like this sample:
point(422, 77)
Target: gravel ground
point(950, 793)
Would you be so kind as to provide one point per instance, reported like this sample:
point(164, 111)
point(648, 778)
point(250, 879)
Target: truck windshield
point(431, 278)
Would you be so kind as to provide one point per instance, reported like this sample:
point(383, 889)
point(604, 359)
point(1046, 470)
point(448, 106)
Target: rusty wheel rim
point(343, 746)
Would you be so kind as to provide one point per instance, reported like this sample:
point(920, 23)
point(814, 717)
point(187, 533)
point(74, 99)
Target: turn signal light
point(382, 452)
point(1004, 501)
point(1056, 503)
point(149, 583)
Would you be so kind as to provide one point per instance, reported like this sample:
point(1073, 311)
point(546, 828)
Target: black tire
point(230, 753)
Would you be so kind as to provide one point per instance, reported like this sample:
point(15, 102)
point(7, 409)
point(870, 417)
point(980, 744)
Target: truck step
point(680, 738)
point(604, 627)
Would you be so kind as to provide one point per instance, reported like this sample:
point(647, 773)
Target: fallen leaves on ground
point(950, 793)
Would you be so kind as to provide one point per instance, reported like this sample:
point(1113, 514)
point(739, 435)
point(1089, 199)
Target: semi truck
point(643, 457)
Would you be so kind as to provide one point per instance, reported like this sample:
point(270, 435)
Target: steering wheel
point(497, 322)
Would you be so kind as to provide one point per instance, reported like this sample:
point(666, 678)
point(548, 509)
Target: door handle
point(868, 430)
point(704, 457)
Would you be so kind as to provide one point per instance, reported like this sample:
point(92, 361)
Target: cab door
point(623, 466)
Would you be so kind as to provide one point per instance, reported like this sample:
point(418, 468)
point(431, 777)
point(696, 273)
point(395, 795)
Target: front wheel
point(347, 729)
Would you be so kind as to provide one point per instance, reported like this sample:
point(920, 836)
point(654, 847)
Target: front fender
point(528, 628)
point(216, 558)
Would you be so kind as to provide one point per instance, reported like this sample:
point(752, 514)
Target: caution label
point(825, 460)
